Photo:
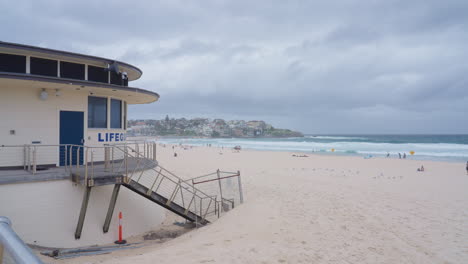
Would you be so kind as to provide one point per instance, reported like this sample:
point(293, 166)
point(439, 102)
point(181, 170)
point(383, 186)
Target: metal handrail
point(12, 243)
point(144, 153)
point(176, 181)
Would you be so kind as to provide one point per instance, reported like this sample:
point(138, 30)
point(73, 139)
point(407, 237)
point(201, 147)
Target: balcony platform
point(98, 173)
point(23, 176)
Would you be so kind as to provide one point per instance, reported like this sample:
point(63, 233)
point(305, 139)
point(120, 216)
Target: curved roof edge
point(30, 77)
point(67, 53)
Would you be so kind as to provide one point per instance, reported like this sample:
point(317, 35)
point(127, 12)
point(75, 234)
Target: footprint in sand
point(253, 250)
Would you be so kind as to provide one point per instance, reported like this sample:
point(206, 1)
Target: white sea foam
point(335, 137)
point(422, 150)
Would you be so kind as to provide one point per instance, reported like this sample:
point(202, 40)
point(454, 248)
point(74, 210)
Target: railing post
point(126, 163)
point(241, 195)
point(208, 208)
point(106, 157)
point(152, 186)
point(181, 193)
point(112, 159)
point(78, 161)
point(70, 161)
point(86, 167)
point(92, 169)
point(174, 193)
point(154, 151)
point(201, 207)
point(217, 209)
point(190, 204)
point(29, 157)
point(34, 160)
point(220, 189)
point(65, 155)
point(24, 164)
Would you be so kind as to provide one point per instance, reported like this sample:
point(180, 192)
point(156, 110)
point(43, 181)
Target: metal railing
point(34, 157)
point(136, 161)
point(165, 183)
point(225, 185)
point(12, 248)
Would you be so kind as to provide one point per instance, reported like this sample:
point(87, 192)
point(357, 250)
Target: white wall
point(34, 119)
point(46, 213)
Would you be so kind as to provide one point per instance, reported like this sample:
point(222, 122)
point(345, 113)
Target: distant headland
point(205, 127)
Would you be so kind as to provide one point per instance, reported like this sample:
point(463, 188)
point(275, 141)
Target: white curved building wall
point(25, 118)
point(46, 213)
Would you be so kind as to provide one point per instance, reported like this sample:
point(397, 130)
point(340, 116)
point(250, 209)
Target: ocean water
point(425, 147)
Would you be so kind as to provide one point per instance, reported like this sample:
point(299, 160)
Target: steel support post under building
point(84, 207)
point(110, 211)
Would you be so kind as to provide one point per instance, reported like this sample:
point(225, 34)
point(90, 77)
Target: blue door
point(71, 132)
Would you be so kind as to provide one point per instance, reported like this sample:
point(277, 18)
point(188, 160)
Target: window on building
point(72, 70)
point(44, 67)
point(116, 113)
point(12, 63)
point(97, 112)
point(116, 78)
point(98, 74)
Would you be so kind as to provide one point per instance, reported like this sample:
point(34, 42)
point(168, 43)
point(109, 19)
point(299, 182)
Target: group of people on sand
point(399, 155)
point(300, 155)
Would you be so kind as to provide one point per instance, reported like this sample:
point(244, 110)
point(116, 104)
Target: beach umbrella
point(411, 152)
point(332, 150)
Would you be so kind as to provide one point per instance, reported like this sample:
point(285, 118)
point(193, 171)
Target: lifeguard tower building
point(64, 153)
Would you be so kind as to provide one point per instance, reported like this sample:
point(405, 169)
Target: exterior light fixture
point(43, 95)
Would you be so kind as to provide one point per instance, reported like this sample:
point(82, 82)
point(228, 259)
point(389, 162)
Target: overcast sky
point(343, 66)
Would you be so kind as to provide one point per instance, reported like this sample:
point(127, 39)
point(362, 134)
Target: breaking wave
point(343, 145)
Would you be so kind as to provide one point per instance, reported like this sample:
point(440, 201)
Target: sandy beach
point(319, 209)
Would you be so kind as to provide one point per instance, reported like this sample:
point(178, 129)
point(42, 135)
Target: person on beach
point(421, 169)
point(404, 155)
point(467, 168)
point(399, 155)
point(388, 155)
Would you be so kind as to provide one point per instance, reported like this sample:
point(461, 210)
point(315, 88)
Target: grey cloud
point(319, 66)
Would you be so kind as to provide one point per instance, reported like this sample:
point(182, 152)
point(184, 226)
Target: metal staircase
point(164, 202)
point(141, 173)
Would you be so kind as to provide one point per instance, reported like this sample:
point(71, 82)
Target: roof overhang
point(130, 94)
point(133, 72)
